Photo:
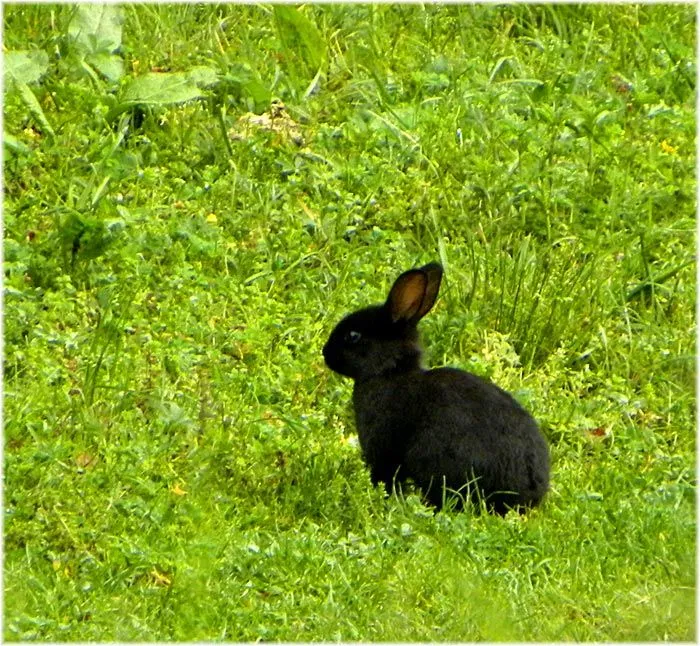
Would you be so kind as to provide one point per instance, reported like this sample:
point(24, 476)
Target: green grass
point(179, 463)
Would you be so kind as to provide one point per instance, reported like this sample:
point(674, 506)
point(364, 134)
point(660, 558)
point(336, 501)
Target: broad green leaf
point(110, 66)
point(97, 27)
point(244, 81)
point(300, 34)
point(161, 89)
point(34, 107)
point(25, 67)
point(14, 145)
point(257, 91)
point(203, 76)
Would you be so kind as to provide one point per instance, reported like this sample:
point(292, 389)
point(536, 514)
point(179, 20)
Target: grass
point(179, 464)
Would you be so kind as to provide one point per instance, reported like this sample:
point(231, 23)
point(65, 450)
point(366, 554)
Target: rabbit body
point(447, 426)
point(442, 427)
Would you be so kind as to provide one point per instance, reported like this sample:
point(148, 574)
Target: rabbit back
point(450, 427)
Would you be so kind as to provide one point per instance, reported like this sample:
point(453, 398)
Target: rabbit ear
point(433, 272)
point(414, 293)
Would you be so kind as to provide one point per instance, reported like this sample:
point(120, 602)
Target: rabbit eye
point(352, 337)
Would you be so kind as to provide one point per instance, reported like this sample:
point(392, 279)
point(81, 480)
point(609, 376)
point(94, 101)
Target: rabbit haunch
point(445, 429)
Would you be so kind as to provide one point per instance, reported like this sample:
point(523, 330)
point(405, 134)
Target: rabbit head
point(383, 339)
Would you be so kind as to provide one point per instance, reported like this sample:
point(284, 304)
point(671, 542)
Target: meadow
point(194, 195)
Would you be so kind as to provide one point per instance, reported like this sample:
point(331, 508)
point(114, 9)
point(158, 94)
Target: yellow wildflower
point(668, 148)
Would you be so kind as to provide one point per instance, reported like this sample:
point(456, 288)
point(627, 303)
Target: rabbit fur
point(445, 429)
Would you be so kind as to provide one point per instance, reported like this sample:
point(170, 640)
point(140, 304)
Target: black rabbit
point(445, 429)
